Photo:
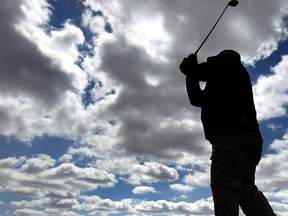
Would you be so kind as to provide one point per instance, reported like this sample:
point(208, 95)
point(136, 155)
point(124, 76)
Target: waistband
point(213, 136)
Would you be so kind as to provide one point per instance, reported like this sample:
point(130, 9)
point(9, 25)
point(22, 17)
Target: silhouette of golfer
point(229, 120)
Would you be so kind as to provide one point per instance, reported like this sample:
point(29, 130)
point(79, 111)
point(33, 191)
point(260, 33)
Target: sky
point(95, 119)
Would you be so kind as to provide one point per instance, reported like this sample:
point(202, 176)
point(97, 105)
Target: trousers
point(234, 160)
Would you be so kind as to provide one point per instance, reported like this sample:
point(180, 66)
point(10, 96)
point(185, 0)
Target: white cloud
point(198, 179)
point(143, 190)
point(95, 23)
point(240, 25)
point(280, 145)
point(96, 205)
point(26, 211)
point(282, 195)
point(152, 172)
point(118, 166)
point(39, 177)
point(37, 165)
point(33, 83)
point(192, 181)
point(274, 127)
point(201, 207)
point(26, 72)
point(62, 46)
point(271, 172)
point(271, 92)
point(181, 188)
point(37, 13)
point(47, 203)
point(280, 203)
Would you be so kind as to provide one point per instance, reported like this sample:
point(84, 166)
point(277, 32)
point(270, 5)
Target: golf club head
point(233, 3)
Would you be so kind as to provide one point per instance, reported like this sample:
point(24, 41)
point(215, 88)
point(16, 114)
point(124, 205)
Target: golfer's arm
point(194, 91)
point(250, 114)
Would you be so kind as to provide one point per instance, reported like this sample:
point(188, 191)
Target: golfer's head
point(230, 54)
point(225, 55)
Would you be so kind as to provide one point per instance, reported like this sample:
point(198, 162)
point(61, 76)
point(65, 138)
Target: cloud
point(274, 127)
point(26, 211)
point(26, 71)
point(247, 21)
point(46, 203)
point(34, 82)
point(271, 92)
point(181, 188)
point(143, 190)
point(198, 179)
point(39, 177)
point(271, 170)
point(152, 172)
point(96, 24)
point(202, 207)
point(280, 145)
point(37, 165)
point(194, 180)
point(280, 207)
point(96, 205)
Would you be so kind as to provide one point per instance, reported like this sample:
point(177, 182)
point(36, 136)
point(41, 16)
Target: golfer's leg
point(252, 201)
point(226, 201)
point(226, 172)
point(224, 178)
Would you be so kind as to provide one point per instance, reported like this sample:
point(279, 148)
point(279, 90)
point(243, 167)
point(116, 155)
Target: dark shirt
point(227, 100)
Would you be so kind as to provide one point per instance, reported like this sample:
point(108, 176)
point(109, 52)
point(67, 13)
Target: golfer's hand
point(188, 63)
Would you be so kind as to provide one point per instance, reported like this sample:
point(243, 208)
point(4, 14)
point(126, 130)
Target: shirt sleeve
point(250, 114)
point(194, 91)
point(201, 72)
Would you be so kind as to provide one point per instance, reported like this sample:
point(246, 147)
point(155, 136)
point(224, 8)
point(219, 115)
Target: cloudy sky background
point(94, 115)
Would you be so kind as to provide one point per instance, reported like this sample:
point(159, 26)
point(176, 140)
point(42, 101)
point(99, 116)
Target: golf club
point(232, 3)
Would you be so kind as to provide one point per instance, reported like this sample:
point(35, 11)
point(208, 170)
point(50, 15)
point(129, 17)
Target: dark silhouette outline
point(229, 120)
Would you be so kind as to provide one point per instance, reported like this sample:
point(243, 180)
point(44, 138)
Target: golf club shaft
point(211, 30)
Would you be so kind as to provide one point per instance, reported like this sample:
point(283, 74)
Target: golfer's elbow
point(195, 101)
point(194, 92)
